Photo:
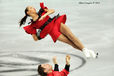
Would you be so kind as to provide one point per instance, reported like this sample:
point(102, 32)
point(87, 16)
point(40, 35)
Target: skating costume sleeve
point(29, 29)
point(65, 71)
point(42, 6)
point(67, 67)
point(56, 68)
point(42, 10)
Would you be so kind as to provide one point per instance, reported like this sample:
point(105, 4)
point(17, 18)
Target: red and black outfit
point(50, 26)
point(56, 72)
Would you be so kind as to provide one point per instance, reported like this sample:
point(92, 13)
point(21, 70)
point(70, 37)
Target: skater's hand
point(55, 60)
point(49, 11)
point(68, 59)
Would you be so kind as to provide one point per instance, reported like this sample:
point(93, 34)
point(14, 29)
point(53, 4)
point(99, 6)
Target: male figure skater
point(46, 69)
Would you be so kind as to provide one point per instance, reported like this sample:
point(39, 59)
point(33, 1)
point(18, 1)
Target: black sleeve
point(67, 67)
point(56, 68)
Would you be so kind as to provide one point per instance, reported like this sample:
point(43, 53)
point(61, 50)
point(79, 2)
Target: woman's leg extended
point(66, 31)
point(64, 39)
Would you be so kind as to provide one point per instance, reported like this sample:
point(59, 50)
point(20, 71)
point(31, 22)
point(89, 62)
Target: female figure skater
point(46, 69)
point(55, 27)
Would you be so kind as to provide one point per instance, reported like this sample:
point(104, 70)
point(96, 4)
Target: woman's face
point(46, 67)
point(31, 10)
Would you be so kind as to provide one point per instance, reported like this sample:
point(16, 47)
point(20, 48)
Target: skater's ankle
point(84, 49)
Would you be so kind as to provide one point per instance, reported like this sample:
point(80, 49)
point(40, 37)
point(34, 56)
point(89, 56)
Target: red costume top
point(57, 73)
point(55, 23)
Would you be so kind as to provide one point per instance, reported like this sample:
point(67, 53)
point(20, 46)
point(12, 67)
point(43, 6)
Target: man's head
point(44, 69)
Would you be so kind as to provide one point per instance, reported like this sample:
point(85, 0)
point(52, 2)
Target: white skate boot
point(86, 52)
point(89, 53)
point(93, 54)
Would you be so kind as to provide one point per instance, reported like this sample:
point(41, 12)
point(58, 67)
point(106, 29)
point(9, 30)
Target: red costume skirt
point(55, 32)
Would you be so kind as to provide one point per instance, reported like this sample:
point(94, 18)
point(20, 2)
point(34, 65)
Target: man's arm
point(65, 71)
point(56, 67)
point(67, 66)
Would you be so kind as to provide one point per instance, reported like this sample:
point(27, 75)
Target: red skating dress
point(53, 28)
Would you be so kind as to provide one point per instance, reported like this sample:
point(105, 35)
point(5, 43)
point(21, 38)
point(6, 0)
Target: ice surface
point(93, 24)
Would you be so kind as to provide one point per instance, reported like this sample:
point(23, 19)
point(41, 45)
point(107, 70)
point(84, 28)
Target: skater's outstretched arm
point(65, 71)
point(67, 66)
point(56, 67)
